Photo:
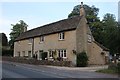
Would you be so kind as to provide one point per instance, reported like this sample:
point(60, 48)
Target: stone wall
point(37, 62)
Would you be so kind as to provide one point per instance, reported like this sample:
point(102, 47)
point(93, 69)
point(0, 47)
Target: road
point(17, 70)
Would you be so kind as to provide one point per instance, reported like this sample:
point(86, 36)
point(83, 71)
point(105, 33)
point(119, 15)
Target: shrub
point(112, 66)
point(7, 53)
point(43, 55)
point(82, 59)
point(118, 68)
point(59, 58)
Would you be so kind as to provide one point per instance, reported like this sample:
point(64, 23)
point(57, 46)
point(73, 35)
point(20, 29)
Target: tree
point(118, 40)
point(90, 11)
point(4, 39)
point(17, 29)
point(93, 21)
point(110, 32)
point(106, 32)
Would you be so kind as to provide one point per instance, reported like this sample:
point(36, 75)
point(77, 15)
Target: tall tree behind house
point(17, 29)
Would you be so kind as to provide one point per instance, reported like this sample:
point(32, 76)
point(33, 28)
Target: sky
point(119, 11)
point(37, 13)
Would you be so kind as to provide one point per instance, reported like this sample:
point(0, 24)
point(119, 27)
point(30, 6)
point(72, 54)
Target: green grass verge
point(109, 71)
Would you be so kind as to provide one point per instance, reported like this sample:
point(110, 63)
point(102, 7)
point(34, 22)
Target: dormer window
point(42, 38)
point(61, 36)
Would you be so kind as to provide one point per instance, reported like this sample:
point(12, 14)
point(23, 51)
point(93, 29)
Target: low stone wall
point(37, 62)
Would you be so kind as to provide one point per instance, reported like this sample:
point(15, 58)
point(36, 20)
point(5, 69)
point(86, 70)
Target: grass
point(109, 71)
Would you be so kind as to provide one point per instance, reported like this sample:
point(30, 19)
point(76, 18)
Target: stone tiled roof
point(59, 26)
point(103, 47)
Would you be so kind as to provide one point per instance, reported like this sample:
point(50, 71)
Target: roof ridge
point(52, 23)
point(57, 26)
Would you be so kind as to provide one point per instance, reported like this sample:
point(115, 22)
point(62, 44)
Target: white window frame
point(62, 53)
point(61, 36)
point(89, 38)
point(50, 54)
point(42, 39)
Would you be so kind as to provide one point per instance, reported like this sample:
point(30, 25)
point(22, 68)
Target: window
point(30, 41)
point(23, 53)
point(18, 54)
point(61, 36)
point(42, 38)
point(29, 54)
point(89, 38)
point(62, 53)
point(51, 54)
point(40, 51)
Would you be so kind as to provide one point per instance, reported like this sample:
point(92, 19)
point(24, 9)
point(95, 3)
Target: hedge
point(7, 52)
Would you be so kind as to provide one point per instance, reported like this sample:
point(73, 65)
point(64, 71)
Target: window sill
point(61, 39)
point(64, 57)
point(41, 42)
point(89, 41)
point(50, 57)
point(29, 43)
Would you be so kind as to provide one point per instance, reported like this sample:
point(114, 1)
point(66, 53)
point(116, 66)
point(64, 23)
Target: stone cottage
point(66, 38)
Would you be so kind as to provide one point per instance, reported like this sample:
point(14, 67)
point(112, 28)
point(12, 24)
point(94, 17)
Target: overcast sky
point(37, 13)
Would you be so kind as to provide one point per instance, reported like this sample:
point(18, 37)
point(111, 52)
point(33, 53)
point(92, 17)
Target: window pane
point(59, 35)
point(59, 53)
point(41, 38)
point(49, 53)
point(64, 53)
point(62, 35)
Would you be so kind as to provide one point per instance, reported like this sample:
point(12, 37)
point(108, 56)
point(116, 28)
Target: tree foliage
point(106, 31)
point(4, 39)
point(93, 21)
point(89, 11)
point(111, 33)
point(17, 29)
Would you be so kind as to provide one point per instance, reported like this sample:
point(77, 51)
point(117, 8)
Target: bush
point(115, 67)
point(59, 58)
point(112, 66)
point(44, 55)
point(7, 53)
point(82, 59)
point(118, 68)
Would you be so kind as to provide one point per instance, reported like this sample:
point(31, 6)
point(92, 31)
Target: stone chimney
point(25, 29)
point(82, 11)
